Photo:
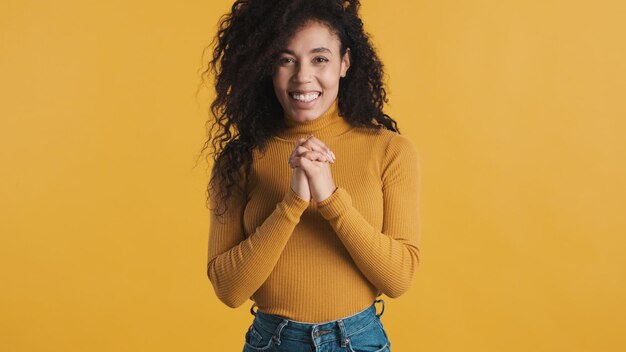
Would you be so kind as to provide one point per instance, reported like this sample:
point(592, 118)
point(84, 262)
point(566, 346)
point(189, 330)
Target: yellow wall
point(517, 108)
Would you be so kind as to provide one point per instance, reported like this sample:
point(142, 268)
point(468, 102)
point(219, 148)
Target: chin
point(300, 117)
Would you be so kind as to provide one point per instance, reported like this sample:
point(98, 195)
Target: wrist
point(326, 195)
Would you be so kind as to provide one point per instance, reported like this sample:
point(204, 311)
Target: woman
point(313, 191)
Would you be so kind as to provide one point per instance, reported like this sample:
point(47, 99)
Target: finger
point(293, 164)
point(298, 147)
point(300, 151)
point(315, 156)
point(314, 141)
point(302, 140)
point(323, 145)
point(297, 162)
point(296, 152)
point(311, 138)
point(315, 144)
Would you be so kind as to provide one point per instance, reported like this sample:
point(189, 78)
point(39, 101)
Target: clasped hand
point(311, 177)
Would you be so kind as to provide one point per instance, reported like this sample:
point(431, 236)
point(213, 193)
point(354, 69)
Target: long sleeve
point(288, 255)
point(388, 258)
point(238, 264)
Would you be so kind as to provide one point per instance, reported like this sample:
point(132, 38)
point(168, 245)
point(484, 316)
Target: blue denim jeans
point(360, 332)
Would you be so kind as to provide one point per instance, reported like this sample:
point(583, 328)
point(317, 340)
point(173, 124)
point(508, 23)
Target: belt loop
point(381, 312)
point(252, 309)
point(278, 330)
point(344, 336)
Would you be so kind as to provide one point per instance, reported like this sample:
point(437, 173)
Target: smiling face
point(306, 75)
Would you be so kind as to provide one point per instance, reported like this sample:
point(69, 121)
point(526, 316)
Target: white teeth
point(305, 97)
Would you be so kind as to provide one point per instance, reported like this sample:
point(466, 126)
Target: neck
point(328, 124)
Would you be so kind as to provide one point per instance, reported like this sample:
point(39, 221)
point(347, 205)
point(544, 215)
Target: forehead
point(313, 35)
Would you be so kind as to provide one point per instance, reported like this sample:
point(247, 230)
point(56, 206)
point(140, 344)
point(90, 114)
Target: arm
point(388, 258)
point(238, 266)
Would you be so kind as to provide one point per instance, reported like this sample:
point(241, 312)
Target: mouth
point(304, 97)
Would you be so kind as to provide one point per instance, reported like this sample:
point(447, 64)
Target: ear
point(345, 63)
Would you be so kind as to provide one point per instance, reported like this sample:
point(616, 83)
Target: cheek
point(280, 80)
point(275, 81)
point(330, 78)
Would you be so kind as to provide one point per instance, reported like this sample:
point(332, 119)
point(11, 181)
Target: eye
point(284, 60)
point(320, 59)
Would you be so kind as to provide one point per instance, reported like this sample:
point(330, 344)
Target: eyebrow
point(315, 50)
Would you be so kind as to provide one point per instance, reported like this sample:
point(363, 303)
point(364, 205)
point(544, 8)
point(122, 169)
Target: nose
point(303, 73)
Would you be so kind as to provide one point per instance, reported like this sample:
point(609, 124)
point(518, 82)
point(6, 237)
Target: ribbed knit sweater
point(317, 262)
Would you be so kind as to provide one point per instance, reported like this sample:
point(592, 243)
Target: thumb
point(306, 165)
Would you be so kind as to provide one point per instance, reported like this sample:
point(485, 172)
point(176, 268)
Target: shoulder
point(382, 134)
point(377, 138)
point(399, 143)
point(392, 143)
point(401, 156)
point(388, 144)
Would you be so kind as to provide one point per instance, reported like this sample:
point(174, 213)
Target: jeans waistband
point(282, 327)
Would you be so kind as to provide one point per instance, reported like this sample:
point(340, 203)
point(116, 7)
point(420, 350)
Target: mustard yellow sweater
point(316, 262)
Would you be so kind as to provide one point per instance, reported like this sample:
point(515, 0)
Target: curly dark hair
point(246, 111)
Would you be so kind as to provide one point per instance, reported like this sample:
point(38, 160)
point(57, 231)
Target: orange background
point(517, 109)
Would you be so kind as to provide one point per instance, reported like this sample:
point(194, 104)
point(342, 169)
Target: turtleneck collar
point(329, 124)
